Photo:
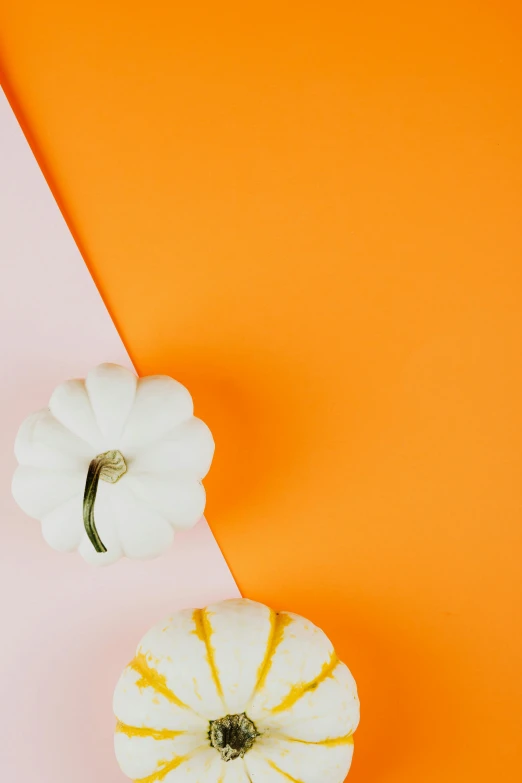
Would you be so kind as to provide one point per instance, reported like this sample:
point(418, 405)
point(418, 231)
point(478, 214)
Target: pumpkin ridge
point(68, 473)
point(75, 383)
point(247, 773)
point(204, 631)
point(152, 678)
point(276, 768)
point(298, 691)
point(278, 621)
point(144, 731)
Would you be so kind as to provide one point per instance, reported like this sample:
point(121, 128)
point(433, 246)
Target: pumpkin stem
point(109, 467)
point(232, 736)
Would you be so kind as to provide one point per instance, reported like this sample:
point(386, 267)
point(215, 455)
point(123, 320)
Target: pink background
point(68, 628)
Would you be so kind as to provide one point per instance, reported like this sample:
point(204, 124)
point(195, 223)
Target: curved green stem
point(109, 467)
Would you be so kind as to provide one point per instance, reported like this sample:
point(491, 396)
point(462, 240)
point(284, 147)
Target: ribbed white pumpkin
point(235, 693)
point(140, 438)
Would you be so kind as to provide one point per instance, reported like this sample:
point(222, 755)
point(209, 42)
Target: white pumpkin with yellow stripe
point(235, 693)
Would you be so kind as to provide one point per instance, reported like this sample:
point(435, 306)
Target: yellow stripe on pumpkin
point(162, 773)
point(284, 774)
point(144, 731)
point(296, 692)
point(151, 678)
point(278, 623)
point(204, 631)
point(326, 743)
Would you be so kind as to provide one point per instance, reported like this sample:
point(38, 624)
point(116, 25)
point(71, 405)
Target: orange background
point(310, 214)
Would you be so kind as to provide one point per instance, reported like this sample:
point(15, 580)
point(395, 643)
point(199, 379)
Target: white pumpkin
point(235, 693)
point(114, 466)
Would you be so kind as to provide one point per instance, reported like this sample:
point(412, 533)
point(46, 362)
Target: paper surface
point(68, 628)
